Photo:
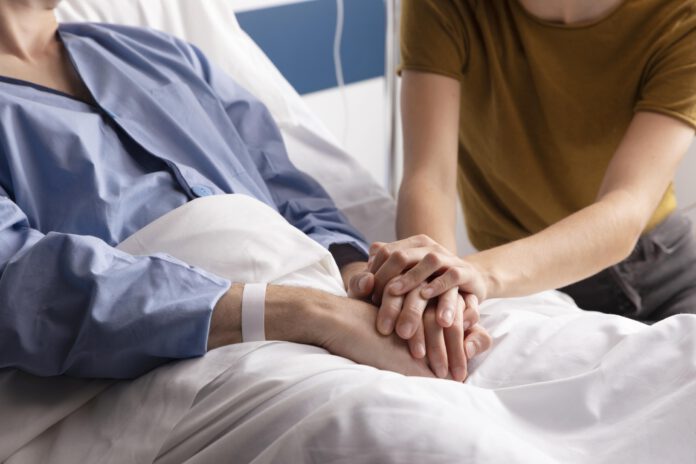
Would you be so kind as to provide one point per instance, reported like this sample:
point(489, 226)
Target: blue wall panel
point(298, 38)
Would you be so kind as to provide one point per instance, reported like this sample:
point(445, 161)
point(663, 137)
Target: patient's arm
point(343, 326)
point(299, 198)
point(72, 304)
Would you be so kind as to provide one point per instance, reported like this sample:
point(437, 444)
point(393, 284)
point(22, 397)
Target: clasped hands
point(430, 298)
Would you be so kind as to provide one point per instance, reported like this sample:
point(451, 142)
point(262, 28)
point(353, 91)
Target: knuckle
point(474, 318)
point(422, 238)
point(382, 254)
point(457, 273)
point(406, 279)
point(438, 285)
point(400, 258)
point(393, 306)
point(412, 312)
point(355, 282)
point(432, 259)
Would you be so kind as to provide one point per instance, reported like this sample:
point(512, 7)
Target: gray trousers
point(656, 281)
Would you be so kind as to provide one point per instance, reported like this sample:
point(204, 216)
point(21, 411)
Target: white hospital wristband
point(253, 312)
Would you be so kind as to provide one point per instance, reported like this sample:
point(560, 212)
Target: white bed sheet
point(560, 385)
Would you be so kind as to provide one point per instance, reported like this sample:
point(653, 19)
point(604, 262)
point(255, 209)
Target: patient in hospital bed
point(106, 129)
point(139, 184)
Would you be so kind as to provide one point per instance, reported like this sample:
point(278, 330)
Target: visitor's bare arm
point(574, 248)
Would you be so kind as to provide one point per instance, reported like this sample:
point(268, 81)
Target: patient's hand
point(447, 348)
point(347, 328)
point(449, 332)
point(343, 326)
point(358, 280)
point(448, 336)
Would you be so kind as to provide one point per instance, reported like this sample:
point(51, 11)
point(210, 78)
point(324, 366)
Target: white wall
point(356, 116)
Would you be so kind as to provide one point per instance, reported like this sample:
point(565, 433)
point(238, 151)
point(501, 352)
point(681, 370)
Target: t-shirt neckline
point(579, 25)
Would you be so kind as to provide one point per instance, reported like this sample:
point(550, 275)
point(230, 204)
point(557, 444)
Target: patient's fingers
point(361, 285)
point(374, 248)
point(454, 341)
point(471, 312)
point(388, 313)
point(476, 341)
point(411, 314)
point(435, 344)
point(416, 343)
point(447, 307)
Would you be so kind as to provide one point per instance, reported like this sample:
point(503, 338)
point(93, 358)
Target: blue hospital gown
point(76, 179)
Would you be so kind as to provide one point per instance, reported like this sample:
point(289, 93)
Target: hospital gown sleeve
point(298, 197)
point(72, 304)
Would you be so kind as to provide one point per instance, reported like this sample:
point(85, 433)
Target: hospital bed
point(560, 385)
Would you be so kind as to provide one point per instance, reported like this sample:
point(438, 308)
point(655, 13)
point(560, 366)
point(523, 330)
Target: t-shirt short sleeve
point(669, 86)
point(433, 37)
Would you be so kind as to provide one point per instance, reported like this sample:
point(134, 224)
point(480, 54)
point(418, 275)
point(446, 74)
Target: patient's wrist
point(226, 322)
point(292, 314)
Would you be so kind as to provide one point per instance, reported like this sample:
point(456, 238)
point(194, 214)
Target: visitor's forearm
point(574, 248)
point(426, 208)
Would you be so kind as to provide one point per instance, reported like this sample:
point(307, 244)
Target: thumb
point(361, 285)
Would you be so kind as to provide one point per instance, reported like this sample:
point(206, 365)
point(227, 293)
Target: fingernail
point(466, 325)
point(420, 350)
point(427, 292)
point(448, 316)
point(362, 284)
point(385, 326)
point(396, 286)
point(470, 349)
point(441, 371)
point(406, 330)
point(459, 373)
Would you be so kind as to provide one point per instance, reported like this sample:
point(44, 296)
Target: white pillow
point(208, 234)
point(212, 26)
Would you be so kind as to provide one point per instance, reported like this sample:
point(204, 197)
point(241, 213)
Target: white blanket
point(559, 385)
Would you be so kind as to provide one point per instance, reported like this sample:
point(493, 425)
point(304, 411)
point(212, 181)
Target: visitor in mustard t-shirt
point(561, 123)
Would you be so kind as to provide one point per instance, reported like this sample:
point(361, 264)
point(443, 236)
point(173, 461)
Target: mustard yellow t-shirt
point(544, 106)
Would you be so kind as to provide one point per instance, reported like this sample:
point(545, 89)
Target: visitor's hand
point(402, 266)
point(446, 348)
